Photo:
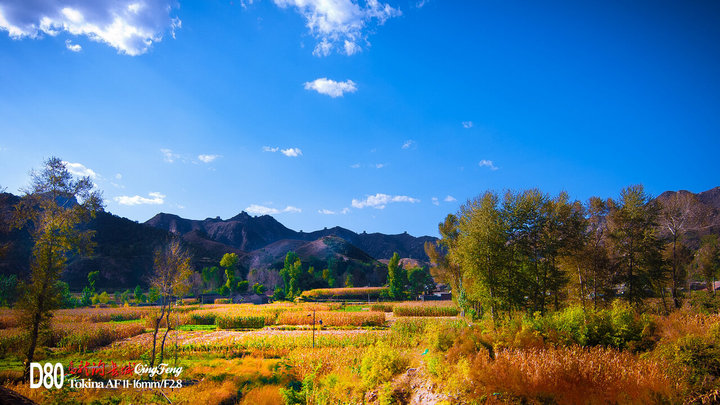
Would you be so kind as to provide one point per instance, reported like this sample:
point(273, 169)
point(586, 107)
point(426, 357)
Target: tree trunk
point(162, 345)
point(157, 326)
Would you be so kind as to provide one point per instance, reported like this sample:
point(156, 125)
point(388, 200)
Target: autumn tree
point(678, 213)
point(51, 209)
point(171, 278)
point(442, 269)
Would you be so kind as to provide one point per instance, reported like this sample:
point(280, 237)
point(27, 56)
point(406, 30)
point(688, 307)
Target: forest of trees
point(530, 252)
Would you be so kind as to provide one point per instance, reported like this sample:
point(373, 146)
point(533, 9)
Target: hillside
point(703, 211)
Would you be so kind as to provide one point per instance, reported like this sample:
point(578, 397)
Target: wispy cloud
point(130, 26)
point(270, 149)
point(408, 144)
point(256, 209)
point(169, 156)
point(467, 124)
point(331, 87)
point(449, 198)
point(435, 201)
point(72, 47)
point(355, 166)
point(154, 199)
point(487, 163)
point(379, 165)
point(326, 212)
point(208, 158)
point(340, 24)
point(379, 201)
point(78, 169)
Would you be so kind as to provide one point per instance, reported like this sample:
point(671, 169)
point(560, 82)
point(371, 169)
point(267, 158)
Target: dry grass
point(329, 318)
point(264, 395)
point(338, 293)
point(430, 308)
point(572, 376)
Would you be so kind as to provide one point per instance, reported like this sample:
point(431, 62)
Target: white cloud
point(118, 176)
point(330, 87)
point(488, 164)
point(379, 201)
point(449, 198)
point(169, 156)
point(467, 124)
point(155, 199)
point(130, 26)
point(291, 152)
point(326, 212)
point(345, 210)
point(340, 24)
point(355, 166)
point(78, 169)
point(256, 209)
point(72, 47)
point(408, 144)
point(379, 165)
point(435, 201)
point(208, 158)
point(422, 3)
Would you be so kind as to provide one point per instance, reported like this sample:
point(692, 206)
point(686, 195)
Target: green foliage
point(153, 295)
point(621, 327)
point(139, 296)
point(420, 281)
point(229, 261)
point(86, 298)
point(203, 319)
point(224, 290)
point(8, 290)
point(212, 277)
point(259, 289)
point(104, 298)
point(239, 322)
point(242, 286)
point(292, 276)
point(92, 278)
point(68, 301)
point(397, 278)
point(125, 296)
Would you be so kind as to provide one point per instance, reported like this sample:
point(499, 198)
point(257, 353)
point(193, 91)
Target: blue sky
point(376, 116)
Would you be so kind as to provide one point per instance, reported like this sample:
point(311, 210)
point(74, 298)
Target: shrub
point(223, 301)
point(239, 322)
point(380, 364)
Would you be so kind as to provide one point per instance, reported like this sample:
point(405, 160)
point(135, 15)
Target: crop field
point(409, 352)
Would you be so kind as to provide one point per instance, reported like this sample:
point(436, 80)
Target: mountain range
point(124, 248)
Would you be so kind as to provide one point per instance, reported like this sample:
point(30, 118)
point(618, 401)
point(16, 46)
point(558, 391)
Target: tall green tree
point(397, 278)
point(480, 251)
point(51, 209)
point(419, 281)
point(635, 247)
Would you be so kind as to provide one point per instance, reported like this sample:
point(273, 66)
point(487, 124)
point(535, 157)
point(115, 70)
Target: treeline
point(531, 252)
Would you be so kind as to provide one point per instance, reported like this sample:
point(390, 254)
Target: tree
point(259, 289)
point(442, 268)
point(420, 281)
point(632, 223)
point(212, 277)
point(229, 262)
point(172, 271)
point(397, 278)
point(291, 274)
point(8, 290)
point(678, 213)
point(139, 296)
point(480, 251)
point(89, 290)
point(707, 259)
point(51, 209)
